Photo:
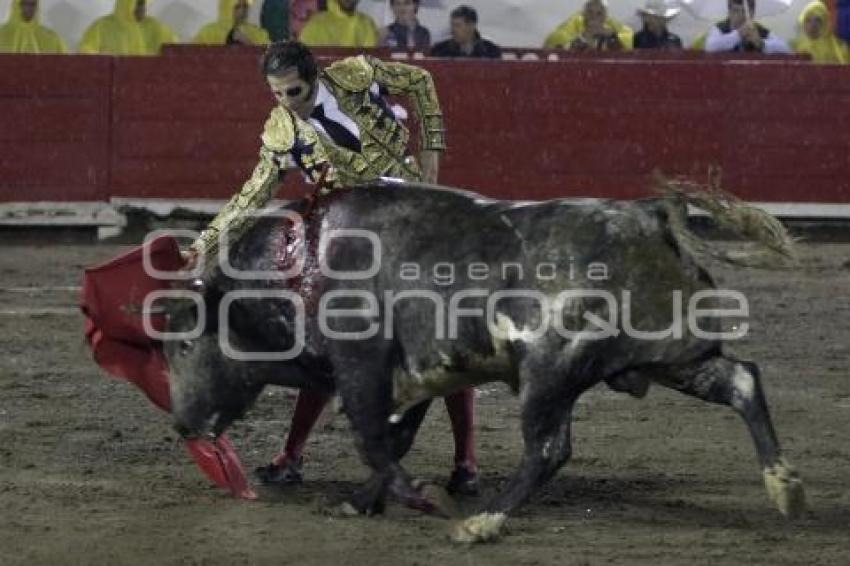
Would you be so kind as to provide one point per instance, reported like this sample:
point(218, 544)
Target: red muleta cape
point(111, 300)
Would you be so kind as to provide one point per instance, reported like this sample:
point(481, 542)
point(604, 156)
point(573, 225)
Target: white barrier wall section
point(518, 23)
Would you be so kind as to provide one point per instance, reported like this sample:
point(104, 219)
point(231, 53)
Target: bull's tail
point(775, 248)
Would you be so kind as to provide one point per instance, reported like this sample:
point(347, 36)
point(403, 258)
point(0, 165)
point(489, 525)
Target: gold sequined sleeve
point(284, 134)
point(417, 84)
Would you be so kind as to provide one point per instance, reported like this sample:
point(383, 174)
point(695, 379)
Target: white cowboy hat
point(659, 8)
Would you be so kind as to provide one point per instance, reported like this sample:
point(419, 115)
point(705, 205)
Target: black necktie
point(338, 133)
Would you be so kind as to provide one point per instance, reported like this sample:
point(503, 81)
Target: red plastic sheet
point(111, 300)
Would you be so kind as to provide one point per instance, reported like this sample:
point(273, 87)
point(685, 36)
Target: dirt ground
point(90, 472)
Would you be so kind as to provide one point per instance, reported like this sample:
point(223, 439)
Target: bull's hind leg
point(547, 401)
point(738, 384)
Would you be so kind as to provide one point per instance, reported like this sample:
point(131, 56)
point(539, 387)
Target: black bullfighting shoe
point(463, 481)
point(281, 472)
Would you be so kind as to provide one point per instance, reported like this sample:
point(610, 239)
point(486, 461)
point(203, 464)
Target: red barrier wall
point(54, 128)
point(529, 130)
point(187, 126)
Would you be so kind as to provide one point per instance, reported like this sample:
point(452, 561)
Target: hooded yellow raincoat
point(157, 34)
point(573, 28)
point(18, 36)
point(121, 34)
point(335, 28)
point(699, 42)
point(216, 32)
point(825, 49)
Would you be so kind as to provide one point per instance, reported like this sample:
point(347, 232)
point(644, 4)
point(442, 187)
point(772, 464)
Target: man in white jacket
point(739, 32)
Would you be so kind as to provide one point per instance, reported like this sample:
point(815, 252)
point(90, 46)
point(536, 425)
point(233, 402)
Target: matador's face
point(293, 92)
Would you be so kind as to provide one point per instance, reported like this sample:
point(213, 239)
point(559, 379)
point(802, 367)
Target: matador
point(336, 125)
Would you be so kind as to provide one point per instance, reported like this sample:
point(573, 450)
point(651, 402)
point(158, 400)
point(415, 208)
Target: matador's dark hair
point(281, 56)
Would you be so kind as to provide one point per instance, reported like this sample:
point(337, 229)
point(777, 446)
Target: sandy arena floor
point(90, 472)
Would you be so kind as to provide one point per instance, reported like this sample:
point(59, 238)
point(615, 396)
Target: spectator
point(655, 35)
point(405, 32)
point(232, 26)
point(340, 26)
point(155, 32)
point(466, 41)
point(816, 38)
point(274, 18)
point(699, 42)
point(119, 33)
point(24, 34)
point(842, 19)
point(592, 29)
point(300, 12)
point(740, 33)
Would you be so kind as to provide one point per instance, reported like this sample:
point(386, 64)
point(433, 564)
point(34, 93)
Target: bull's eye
point(186, 346)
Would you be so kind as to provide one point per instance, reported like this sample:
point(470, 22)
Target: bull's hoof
point(366, 502)
point(422, 496)
point(463, 481)
point(785, 489)
point(347, 510)
point(484, 527)
point(442, 502)
point(283, 473)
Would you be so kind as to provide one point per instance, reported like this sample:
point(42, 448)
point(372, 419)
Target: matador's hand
point(430, 163)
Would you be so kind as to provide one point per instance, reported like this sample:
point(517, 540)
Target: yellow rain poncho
point(216, 32)
point(121, 34)
point(825, 49)
point(699, 42)
point(335, 28)
point(573, 28)
point(18, 36)
point(156, 34)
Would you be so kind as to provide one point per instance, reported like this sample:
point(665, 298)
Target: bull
point(398, 293)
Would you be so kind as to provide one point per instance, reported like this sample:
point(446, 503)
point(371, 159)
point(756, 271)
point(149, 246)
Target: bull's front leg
point(366, 392)
point(547, 401)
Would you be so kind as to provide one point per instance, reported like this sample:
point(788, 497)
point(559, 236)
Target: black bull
point(441, 289)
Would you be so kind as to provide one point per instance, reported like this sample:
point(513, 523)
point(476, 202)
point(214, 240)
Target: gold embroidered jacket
point(383, 141)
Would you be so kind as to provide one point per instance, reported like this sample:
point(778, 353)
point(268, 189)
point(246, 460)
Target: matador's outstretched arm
point(284, 133)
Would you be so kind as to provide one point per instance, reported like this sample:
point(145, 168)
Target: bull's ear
point(158, 307)
point(173, 304)
point(170, 305)
point(164, 305)
point(196, 285)
point(137, 309)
